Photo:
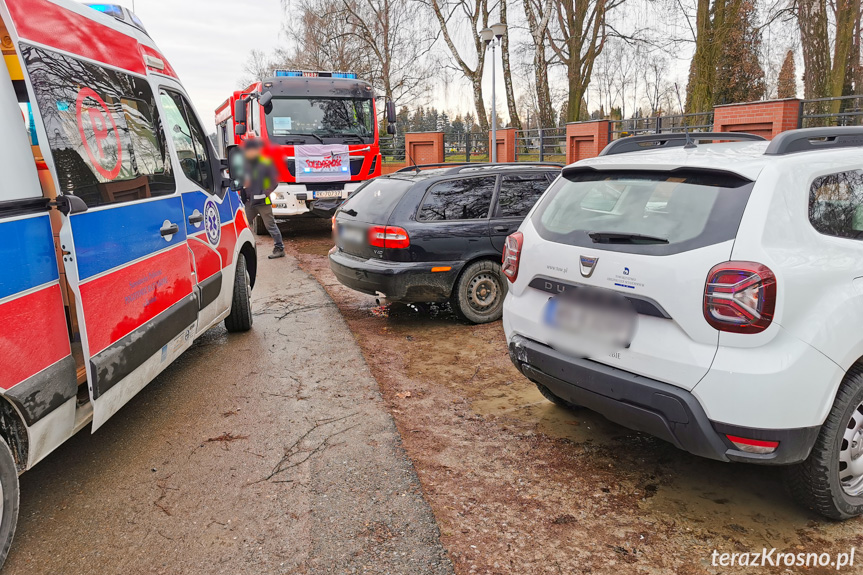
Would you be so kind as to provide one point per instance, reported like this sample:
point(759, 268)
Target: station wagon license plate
point(352, 235)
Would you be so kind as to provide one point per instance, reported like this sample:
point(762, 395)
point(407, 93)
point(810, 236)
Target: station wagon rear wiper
point(624, 238)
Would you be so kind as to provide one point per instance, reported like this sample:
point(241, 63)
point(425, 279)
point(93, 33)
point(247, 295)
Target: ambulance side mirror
point(236, 167)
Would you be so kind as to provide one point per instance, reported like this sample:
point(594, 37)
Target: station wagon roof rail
point(457, 168)
point(658, 141)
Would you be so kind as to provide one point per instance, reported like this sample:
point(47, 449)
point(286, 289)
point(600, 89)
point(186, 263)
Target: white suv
point(710, 295)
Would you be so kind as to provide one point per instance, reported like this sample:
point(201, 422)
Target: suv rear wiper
point(624, 238)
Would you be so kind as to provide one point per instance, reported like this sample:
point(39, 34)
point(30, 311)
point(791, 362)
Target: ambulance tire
point(258, 227)
point(241, 319)
point(9, 483)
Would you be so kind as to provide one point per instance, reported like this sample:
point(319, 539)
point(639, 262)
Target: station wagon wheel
point(830, 480)
point(479, 292)
point(9, 494)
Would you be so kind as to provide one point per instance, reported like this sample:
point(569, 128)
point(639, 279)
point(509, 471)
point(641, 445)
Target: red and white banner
point(322, 163)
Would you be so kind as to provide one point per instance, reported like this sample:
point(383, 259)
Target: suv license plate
point(590, 323)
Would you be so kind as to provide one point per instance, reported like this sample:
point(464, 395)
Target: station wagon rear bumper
point(653, 407)
point(408, 282)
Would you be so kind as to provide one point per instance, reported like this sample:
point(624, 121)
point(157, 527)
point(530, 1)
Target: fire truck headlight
point(274, 196)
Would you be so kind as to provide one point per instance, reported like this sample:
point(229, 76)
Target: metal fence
point(540, 145)
point(697, 122)
point(393, 149)
point(841, 111)
point(466, 147)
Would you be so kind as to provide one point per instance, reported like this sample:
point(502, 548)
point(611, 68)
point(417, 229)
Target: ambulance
point(121, 239)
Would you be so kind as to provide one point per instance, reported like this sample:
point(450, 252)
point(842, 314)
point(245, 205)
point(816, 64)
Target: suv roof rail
point(457, 167)
point(677, 139)
point(813, 139)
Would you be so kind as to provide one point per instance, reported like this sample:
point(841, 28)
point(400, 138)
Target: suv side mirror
point(391, 112)
point(236, 167)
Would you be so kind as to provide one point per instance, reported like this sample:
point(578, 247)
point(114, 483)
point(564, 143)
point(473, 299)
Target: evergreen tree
point(787, 87)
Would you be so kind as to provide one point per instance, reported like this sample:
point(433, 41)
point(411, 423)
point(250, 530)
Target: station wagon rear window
point(647, 212)
point(103, 129)
point(374, 201)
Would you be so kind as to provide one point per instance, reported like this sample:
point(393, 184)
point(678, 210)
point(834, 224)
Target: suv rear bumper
point(408, 282)
point(653, 407)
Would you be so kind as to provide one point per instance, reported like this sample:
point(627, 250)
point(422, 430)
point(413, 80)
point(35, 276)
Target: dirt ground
point(520, 486)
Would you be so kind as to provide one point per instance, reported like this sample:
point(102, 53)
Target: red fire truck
point(321, 130)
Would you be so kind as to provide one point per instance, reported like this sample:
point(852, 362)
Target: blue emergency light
point(312, 74)
point(109, 9)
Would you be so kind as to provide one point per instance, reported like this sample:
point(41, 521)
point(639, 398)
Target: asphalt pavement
point(266, 452)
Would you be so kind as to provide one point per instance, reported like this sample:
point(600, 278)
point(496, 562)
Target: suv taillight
point(740, 297)
point(512, 255)
point(389, 237)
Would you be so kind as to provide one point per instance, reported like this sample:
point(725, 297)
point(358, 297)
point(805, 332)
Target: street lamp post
point(488, 36)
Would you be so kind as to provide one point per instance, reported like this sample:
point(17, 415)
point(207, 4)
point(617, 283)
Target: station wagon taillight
point(740, 297)
point(389, 237)
point(512, 255)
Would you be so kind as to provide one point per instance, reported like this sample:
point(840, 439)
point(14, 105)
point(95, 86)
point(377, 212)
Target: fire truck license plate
point(327, 194)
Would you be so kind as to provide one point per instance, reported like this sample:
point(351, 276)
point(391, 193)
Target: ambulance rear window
point(103, 129)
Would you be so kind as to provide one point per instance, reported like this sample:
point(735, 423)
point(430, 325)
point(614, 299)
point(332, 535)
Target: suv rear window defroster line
point(692, 208)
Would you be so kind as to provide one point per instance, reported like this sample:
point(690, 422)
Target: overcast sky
point(208, 42)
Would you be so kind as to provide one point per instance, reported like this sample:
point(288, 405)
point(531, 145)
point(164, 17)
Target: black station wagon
point(436, 235)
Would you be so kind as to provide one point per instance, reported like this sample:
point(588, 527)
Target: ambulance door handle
point(169, 230)
point(196, 218)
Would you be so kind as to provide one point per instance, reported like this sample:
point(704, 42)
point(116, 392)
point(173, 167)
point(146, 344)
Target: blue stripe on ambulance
point(195, 201)
point(27, 255)
point(106, 239)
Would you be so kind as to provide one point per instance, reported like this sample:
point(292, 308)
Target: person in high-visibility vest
point(261, 179)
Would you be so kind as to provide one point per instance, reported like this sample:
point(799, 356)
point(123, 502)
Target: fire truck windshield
point(342, 120)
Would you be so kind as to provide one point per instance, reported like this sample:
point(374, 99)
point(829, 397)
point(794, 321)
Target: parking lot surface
point(266, 452)
point(520, 486)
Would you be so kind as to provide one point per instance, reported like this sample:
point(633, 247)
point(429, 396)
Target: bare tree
point(538, 13)
point(398, 36)
point(476, 14)
point(578, 39)
point(514, 120)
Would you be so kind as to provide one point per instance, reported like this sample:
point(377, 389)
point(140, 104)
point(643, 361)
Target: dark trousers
point(266, 213)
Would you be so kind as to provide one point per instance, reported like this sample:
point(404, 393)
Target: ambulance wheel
point(258, 226)
point(9, 499)
point(240, 318)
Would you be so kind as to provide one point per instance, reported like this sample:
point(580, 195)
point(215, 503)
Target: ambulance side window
point(103, 128)
point(189, 139)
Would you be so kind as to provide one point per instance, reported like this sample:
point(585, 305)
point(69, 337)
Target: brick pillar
point(505, 144)
point(424, 148)
point(586, 139)
point(762, 118)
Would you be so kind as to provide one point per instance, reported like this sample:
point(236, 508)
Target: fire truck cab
point(321, 130)
point(120, 239)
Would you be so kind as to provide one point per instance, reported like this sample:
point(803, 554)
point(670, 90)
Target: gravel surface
point(266, 452)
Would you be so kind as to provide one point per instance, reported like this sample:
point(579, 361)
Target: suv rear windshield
point(644, 212)
point(374, 202)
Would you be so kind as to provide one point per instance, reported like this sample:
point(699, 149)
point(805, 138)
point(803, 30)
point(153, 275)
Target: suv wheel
point(830, 481)
point(555, 399)
point(479, 292)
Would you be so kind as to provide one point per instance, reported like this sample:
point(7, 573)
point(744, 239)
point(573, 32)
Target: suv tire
point(479, 292)
point(820, 482)
point(240, 318)
point(555, 399)
point(10, 497)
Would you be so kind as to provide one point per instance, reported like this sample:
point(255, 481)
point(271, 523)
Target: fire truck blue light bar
point(311, 74)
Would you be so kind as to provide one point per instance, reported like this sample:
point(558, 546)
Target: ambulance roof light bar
point(119, 13)
point(313, 74)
